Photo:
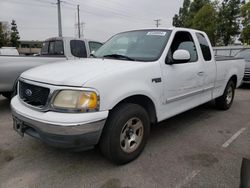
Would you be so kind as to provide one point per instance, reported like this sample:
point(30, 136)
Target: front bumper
point(76, 131)
point(246, 78)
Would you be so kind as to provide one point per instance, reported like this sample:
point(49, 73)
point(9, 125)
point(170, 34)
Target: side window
point(204, 47)
point(56, 47)
point(45, 48)
point(184, 41)
point(78, 48)
point(94, 46)
point(51, 47)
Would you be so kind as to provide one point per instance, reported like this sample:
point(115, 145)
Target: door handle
point(200, 73)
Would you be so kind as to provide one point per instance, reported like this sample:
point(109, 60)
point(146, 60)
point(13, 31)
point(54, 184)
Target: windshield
point(143, 45)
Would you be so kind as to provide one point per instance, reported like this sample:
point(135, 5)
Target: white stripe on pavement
point(234, 137)
point(188, 179)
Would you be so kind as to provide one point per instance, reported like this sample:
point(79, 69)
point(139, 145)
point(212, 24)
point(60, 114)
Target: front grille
point(247, 75)
point(33, 95)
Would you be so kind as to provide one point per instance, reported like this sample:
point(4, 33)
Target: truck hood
point(77, 72)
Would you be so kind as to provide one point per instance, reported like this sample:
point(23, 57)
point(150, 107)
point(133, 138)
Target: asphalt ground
point(202, 147)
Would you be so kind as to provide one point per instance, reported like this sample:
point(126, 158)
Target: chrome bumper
point(70, 135)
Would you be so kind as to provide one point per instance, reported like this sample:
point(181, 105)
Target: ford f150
point(53, 50)
point(136, 79)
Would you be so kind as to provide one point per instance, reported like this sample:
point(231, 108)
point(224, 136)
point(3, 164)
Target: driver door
point(183, 80)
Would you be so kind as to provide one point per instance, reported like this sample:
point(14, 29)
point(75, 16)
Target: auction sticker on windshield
point(158, 33)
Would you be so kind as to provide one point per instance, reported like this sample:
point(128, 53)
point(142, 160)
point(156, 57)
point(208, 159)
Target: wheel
point(225, 101)
point(125, 133)
point(7, 95)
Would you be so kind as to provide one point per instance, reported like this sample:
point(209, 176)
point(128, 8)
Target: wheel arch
point(234, 79)
point(144, 101)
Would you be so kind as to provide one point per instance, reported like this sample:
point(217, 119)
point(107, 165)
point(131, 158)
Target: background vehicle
point(245, 53)
point(138, 78)
point(53, 50)
point(245, 173)
point(8, 51)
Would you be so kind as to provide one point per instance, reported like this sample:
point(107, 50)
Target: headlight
point(76, 101)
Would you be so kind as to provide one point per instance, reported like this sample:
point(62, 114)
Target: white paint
point(234, 137)
point(181, 55)
point(188, 178)
point(190, 84)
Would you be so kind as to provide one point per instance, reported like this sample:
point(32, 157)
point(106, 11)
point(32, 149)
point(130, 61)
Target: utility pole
point(157, 22)
point(78, 21)
point(59, 18)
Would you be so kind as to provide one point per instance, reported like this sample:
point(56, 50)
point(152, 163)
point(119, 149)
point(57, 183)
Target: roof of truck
point(69, 38)
point(165, 28)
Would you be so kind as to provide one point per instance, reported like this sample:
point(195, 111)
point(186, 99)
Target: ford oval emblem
point(28, 92)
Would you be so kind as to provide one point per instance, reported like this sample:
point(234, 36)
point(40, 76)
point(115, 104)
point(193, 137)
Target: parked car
point(8, 51)
point(53, 50)
point(245, 53)
point(245, 173)
point(138, 78)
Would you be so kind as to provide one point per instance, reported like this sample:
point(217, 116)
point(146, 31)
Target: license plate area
point(19, 126)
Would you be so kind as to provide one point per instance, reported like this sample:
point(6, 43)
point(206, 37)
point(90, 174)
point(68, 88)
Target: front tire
point(125, 133)
point(225, 101)
point(7, 95)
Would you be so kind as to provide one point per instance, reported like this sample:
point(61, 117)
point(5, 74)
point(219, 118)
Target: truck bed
point(12, 66)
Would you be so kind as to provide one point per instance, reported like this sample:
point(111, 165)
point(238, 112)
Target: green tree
point(187, 12)
point(14, 35)
point(1, 35)
point(4, 34)
point(181, 19)
point(195, 7)
point(245, 33)
point(206, 19)
point(228, 20)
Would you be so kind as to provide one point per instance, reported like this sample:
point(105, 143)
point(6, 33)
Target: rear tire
point(125, 133)
point(225, 101)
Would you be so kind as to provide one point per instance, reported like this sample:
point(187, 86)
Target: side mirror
point(181, 56)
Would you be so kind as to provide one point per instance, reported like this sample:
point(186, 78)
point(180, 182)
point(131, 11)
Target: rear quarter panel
point(225, 70)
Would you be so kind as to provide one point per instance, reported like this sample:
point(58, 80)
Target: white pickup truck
point(53, 50)
point(136, 79)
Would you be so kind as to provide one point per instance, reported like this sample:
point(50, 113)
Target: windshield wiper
point(118, 56)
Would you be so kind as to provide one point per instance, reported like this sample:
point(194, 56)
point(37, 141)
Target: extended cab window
point(78, 48)
point(183, 41)
point(204, 47)
point(94, 46)
point(52, 48)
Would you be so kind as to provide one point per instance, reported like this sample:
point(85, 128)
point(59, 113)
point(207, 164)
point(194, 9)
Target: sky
point(37, 19)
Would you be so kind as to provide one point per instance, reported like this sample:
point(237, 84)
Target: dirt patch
point(5, 156)
point(224, 132)
point(203, 159)
point(113, 183)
